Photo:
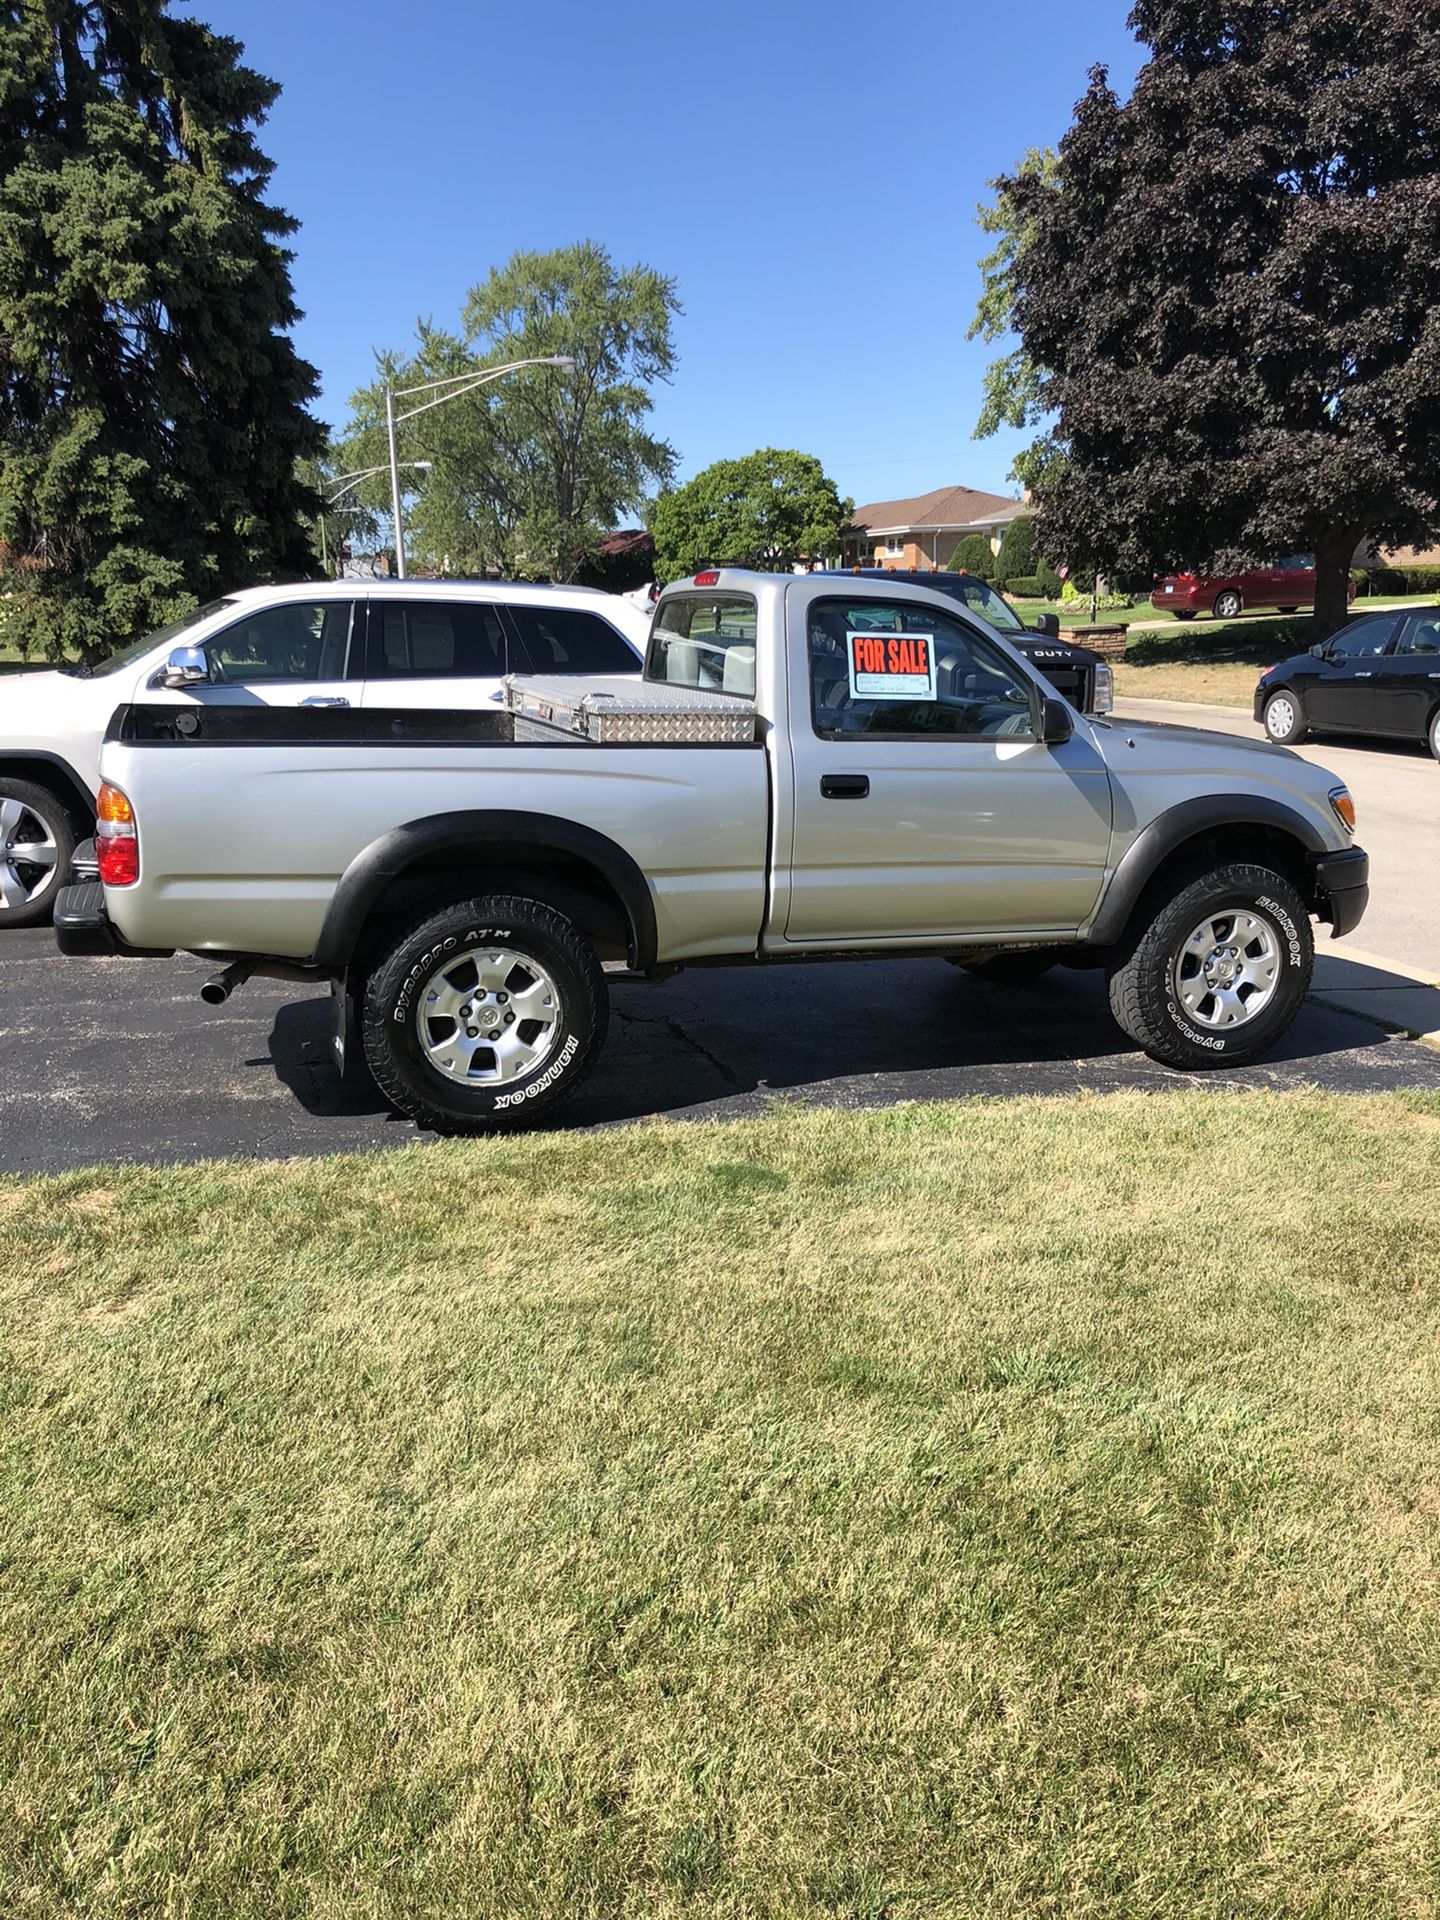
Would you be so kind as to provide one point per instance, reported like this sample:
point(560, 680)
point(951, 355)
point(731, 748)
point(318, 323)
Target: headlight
point(1344, 807)
point(1104, 689)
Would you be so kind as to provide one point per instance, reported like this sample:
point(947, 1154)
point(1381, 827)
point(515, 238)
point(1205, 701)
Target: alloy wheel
point(488, 1016)
point(29, 855)
point(1228, 968)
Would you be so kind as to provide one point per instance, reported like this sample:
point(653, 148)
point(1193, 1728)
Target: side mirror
point(1057, 723)
point(1321, 649)
point(186, 667)
point(1048, 624)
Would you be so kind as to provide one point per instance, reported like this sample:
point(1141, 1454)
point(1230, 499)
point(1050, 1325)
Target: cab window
point(705, 641)
point(302, 640)
point(881, 668)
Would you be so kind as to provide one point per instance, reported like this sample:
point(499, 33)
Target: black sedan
point(1379, 674)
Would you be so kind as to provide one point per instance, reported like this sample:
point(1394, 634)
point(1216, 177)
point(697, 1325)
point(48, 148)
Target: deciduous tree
point(768, 510)
point(152, 406)
point(1232, 287)
point(532, 470)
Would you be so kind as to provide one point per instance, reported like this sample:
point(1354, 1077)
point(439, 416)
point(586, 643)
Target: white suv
point(421, 643)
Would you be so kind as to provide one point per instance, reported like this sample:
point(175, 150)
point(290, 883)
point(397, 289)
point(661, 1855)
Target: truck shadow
point(850, 1033)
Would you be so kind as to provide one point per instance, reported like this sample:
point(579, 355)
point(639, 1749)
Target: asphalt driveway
point(119, 1061)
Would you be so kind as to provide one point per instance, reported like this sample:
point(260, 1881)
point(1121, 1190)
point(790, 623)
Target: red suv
point(1288, 585)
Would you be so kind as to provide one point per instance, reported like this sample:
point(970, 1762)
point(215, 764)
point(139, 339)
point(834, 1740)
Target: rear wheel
point(1218, 972)
point(37, 838)
point(1228, 604)
point(484, 1016)
point(1285, 718)
point(1182, 613)
point(1435, 733)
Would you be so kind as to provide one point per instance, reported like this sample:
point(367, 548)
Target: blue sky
point(808, 173)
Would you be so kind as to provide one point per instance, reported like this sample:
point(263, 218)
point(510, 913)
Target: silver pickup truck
point(811, 766)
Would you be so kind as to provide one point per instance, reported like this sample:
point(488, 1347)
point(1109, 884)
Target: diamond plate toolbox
point(620, 710)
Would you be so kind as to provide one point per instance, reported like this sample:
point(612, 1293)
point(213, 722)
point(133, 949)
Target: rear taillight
point(117, 844)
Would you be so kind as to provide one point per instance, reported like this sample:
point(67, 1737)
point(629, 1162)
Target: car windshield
point(984, 600)
point(127, 656)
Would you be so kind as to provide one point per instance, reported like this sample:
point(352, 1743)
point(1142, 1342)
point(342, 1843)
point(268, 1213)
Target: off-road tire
point(1228, 605)
point(41, 806)
point(1142, 991)
point(1019, 969)
point(1297, 729)
point(388, 1023)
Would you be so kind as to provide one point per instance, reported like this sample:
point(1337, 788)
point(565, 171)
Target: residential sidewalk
point(1391, 972)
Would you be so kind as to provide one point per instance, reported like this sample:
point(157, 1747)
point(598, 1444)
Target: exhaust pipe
point(219, 987)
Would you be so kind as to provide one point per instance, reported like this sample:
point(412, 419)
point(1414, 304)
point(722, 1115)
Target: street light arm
point(488, 373)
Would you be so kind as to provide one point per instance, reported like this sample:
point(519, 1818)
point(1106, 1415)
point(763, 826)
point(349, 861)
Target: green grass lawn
point(1212, 661)
point(994, 1510)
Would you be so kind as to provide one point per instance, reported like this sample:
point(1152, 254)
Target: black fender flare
point(493, 833)
point(75, 791)
point(1154, 844)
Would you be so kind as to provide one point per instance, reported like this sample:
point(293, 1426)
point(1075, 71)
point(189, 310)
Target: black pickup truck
point(1077, 673)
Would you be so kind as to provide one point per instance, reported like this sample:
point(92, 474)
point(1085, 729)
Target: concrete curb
point(1354, 999)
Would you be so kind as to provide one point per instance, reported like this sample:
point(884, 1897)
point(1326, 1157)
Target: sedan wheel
point(36, 842)
point(1284, 719)
point(1228, 604)
point(1435, 733)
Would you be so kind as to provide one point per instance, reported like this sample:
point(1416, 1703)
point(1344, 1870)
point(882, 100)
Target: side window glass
point(435, 639)
point(1362, 641)
point(569, 640)
point(1421, 634)
point(878, 667)
point(298, 641)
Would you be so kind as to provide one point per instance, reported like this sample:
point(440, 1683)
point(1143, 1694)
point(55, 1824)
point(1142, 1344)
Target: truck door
point(924, 803)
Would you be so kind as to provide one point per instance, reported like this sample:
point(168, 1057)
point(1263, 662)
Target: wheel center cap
point(488, 1016)
point(1222, 966)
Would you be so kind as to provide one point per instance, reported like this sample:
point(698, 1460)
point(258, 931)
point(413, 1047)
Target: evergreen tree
point(973, 555)
point(152, 407)
point(1230, 288)
point(1017, 551)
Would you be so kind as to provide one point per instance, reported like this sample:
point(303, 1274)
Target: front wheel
point(1218, 972)
point(1435, 733)
point(1228, 604)
point(37, 838)
point(1284, 719)
point(484, 1016)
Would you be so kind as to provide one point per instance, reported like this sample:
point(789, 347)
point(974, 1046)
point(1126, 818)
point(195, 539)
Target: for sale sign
point(891, 666)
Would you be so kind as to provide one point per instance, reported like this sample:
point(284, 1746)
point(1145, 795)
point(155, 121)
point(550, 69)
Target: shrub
point(1024, 586)
point(1049, 579)
point(973, 555)
point(1017, 550)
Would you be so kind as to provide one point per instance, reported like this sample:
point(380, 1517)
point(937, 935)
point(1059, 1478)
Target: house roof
point(944, 509)
point(628, 540)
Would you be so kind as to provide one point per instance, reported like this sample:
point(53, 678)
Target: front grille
point(1073, 683)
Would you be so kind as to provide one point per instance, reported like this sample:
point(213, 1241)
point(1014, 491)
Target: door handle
point(844, 786)
point(1367, 675)
point(325, 700)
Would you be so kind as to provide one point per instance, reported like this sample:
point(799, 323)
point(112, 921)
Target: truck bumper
point(1344, 881)
point(83, 930)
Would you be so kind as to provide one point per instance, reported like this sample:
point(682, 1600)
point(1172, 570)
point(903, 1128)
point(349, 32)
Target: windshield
point(127, 656)
point(984, 600)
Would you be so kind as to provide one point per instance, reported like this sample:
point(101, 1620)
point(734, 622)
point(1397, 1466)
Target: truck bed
point(249, 816)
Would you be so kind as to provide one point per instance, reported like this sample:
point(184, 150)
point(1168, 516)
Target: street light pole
point(458, 383)
point(395, 483)
point(343, 483)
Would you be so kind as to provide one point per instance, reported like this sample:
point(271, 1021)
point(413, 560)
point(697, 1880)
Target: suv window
point(302, 640)
point(880, 668)
point(706, 641)
point(1363, 638)
point(433, 639)
point(1420, 634)
point(569, 640)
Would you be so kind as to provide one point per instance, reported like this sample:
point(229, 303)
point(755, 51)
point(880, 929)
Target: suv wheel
point(1219, 971)
point(37, 838)
point(1285, 718)
point(1435, 733)
point(1228, 604)
point(484, 1016)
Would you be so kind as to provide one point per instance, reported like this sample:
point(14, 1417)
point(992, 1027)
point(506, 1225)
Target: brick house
point(925, 531)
